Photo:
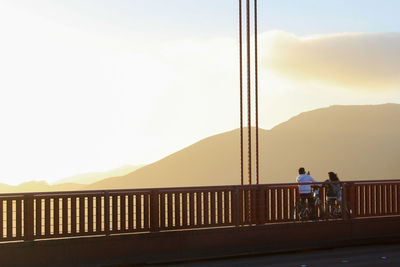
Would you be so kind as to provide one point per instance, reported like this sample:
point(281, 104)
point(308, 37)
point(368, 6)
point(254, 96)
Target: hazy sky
point(94, 85)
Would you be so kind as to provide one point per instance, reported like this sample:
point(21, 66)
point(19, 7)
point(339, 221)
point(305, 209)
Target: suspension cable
point(248, 87)
point(256, 84)
point(241, 91)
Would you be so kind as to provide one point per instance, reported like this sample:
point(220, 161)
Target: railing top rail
point(11, 196)
point(175, 189)
point(112, 191)
point(94, 192)
point(377, 181)
point(143, 190)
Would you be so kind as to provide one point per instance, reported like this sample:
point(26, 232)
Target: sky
point(94, 85)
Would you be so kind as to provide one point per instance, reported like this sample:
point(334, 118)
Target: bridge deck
point(373, 255)
point(167, 224)
point(172, 246)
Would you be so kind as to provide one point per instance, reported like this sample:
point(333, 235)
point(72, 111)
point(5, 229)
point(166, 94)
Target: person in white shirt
point(305, 189)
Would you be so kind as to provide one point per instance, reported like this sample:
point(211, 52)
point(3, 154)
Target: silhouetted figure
point(305, 189)
point(334, 192)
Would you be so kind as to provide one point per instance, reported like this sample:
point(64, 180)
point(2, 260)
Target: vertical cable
point(248, 87)
point(241, 91)
point(256, 83)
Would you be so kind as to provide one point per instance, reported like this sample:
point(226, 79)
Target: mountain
point(5, 188)
point(73, 183)
point(39, 186)
point(89, 178)
point(357, 142)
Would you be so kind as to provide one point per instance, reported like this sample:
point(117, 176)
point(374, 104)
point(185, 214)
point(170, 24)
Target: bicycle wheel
point(297, 211)
point(337, 212)
point(330, 210)
point(346, 209)
point(305, 214)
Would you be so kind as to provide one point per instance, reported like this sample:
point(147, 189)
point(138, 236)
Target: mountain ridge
point(91, 177)
point(356, 141)
point(337, 138)
point(76, 182)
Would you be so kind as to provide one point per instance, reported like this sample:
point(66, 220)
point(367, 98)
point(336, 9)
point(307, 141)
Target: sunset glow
point(89, 86)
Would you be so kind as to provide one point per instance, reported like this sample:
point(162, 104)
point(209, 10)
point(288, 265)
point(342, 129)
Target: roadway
point(375, 255)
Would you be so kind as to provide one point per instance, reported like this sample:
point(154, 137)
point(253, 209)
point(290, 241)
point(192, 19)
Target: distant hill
point(89, 178)
point(357, 142)
point(77, 182)
point(39, 186)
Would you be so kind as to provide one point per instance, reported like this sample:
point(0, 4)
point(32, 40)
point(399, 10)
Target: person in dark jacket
point(334, 192)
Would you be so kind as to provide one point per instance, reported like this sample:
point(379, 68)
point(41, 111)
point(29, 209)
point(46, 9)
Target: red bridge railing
point(33, 216)
point(376, 198)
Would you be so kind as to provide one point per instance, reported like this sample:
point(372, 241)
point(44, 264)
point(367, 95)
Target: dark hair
point(333, 176)
point(302, 171)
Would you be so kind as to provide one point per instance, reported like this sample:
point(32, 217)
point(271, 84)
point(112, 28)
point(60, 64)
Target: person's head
point(302, 170)
point(333, 176)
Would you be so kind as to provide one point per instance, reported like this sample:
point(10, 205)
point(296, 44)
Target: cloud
point(352, 60)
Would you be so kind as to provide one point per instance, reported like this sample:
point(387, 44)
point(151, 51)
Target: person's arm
point(314, 181)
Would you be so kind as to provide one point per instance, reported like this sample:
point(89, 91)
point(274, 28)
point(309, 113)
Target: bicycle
point(302, 212)
point(333, 209)
point(335, 206)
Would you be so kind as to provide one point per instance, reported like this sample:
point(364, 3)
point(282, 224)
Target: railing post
point(28, 217)
point(349, 199)
point(253, 204)
point(260, 204)
point(236, 206)
point(154, 211)
point(107, 213)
